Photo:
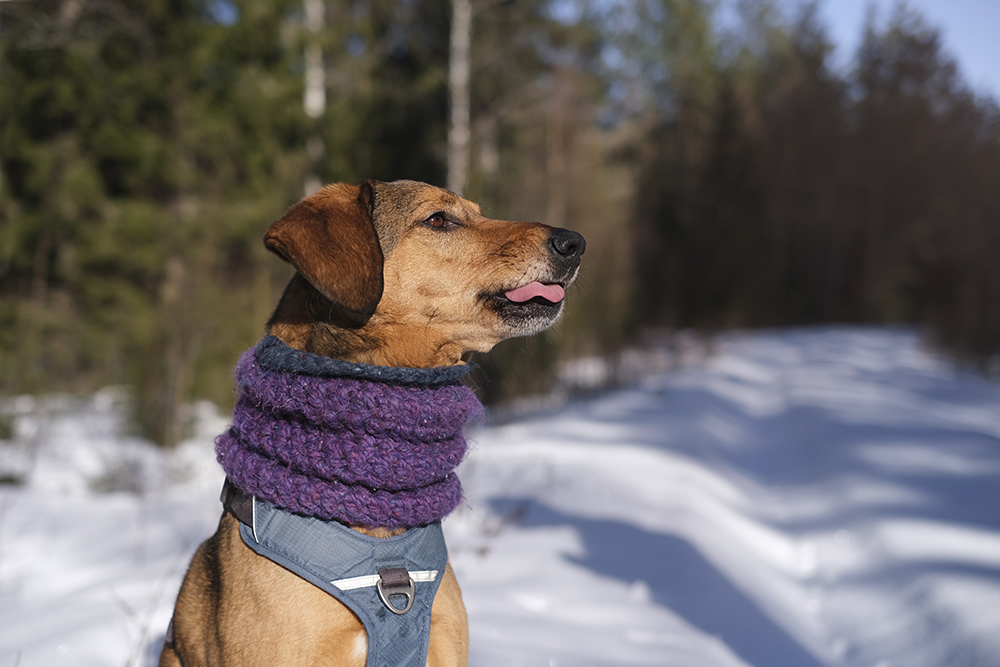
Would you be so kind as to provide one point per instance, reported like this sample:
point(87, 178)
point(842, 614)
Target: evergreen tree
point(144, 147)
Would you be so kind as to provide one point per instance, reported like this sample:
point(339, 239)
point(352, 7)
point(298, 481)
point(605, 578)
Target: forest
point(725, 173)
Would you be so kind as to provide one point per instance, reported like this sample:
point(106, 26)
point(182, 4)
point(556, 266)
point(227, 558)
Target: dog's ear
point(330, 239)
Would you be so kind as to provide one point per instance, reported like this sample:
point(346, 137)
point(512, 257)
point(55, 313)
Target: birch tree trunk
point(314, 94)
point(458, 87)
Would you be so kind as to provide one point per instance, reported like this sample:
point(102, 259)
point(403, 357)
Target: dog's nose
point(567, 243)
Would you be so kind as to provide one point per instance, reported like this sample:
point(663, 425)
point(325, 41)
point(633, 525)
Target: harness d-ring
point(395, 581)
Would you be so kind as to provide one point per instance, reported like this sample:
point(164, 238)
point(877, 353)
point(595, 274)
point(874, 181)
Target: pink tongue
point(553, 293)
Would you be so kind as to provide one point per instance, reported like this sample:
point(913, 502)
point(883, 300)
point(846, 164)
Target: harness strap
point(389, 583)
point(237, 502)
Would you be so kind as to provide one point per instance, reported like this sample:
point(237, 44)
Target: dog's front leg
point(449, 644)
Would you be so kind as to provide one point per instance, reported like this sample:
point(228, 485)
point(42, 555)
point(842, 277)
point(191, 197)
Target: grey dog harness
point(389, 583)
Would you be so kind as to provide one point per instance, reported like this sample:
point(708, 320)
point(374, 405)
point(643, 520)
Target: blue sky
point(970, 29)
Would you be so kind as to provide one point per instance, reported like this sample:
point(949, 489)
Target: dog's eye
point(440, 221)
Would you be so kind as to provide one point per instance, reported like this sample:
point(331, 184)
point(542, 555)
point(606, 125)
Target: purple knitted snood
point(360, 444)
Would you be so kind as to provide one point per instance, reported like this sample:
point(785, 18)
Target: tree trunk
point(458, 86)
point(314, 95)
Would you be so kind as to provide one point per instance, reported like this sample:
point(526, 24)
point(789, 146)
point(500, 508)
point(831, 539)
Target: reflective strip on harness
point(353, 583)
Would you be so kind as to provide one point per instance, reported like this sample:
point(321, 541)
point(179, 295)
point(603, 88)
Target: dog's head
point(408, 274)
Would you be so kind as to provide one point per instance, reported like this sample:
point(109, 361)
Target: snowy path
point(803, 498)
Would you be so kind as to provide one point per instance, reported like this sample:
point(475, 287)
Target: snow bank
point(799, 498)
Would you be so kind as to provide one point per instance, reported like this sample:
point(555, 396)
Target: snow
point(794, 498)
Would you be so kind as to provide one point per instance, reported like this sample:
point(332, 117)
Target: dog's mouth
point(529, 308)
point(536, 292)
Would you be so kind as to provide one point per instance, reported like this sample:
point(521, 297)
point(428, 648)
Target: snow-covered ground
point(798, 498)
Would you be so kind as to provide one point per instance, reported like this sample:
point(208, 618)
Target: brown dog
point(390, 274)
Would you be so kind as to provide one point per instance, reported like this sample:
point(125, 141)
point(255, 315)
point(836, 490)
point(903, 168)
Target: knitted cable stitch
point(361, 444)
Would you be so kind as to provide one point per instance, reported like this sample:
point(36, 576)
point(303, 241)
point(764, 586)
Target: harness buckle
point(395, 581)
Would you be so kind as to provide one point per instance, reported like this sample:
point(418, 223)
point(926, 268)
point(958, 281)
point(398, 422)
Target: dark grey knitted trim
point(274, 355)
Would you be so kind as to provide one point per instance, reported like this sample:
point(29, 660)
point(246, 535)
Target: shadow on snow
point(678, 577)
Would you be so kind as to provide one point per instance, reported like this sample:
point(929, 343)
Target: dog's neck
point(364, 445)
point(391, 346)
point(306, 320)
